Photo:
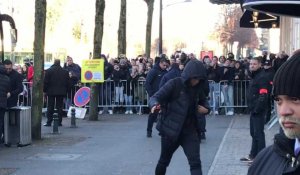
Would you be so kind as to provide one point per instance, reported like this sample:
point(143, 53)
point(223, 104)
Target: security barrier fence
point(133, 96)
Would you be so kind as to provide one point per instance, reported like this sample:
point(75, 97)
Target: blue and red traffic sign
point(88, 75)
point(82, 96)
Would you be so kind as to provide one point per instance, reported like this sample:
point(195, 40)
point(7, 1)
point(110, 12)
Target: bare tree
point(150, 4)
point(122, 29)
point(39, 53)
point(98, 35)
point(229, 30)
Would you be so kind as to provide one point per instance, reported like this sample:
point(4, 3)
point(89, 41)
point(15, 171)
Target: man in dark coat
point(152, 85)
point(257, 103)
point(16, 86)
point(181, 99)
point(4, 94)
point(283, 156)
point(70, 66)
point(56, 86)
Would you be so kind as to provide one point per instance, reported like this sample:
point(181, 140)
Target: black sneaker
point(149, 134)
point(203, 136)
point(246, 159)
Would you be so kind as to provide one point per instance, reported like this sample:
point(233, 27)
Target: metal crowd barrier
point(128, 94)
point(132, 95)
point(233, 94)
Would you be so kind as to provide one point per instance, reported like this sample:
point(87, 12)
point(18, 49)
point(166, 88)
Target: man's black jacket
point(257, 92)
point(277, 159)
point(181, 101)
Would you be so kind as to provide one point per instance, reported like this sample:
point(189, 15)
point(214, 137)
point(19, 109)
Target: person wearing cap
point(257, 100)
point(181, 99)
point(282, 157)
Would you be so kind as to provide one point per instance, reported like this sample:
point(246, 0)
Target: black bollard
point(73, 118)
point(55, 123)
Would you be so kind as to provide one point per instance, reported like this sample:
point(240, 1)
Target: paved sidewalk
point(117, 145)
point(236, 143)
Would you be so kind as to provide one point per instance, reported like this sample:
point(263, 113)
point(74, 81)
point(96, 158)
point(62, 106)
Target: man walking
point(283, 156)
point(181, 98)
point(257, 103)
point(56, 85)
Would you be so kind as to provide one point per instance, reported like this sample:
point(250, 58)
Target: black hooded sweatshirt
point(180, 100)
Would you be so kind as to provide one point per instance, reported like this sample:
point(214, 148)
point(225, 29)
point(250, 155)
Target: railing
point(111, 94)
point(132, 95)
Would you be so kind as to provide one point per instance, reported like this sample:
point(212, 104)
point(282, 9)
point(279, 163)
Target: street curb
point(213, 165)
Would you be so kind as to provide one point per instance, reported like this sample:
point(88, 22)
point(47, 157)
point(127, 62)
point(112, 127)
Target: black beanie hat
point(287, 78)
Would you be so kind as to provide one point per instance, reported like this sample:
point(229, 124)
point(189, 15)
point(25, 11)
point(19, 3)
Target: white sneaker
point(229, 113)
point(130, 112)
point(100, 112)
point(110, 111)
point(127, 112)
point(216, 113)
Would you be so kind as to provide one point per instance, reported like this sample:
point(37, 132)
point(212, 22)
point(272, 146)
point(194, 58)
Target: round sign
point(88, 75)
point(82, 96)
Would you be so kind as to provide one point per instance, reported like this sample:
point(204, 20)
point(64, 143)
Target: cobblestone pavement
point(236, 143)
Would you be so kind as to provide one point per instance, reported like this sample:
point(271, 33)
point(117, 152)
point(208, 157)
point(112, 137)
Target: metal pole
point(73, 118)
point(2, 39)
point(55, 123)
point(160, 29)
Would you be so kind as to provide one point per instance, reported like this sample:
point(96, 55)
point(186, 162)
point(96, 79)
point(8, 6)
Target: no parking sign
point(82, 96)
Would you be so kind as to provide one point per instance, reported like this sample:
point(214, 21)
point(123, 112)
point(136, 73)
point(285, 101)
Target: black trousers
point(257, 123)
point(269, 109)
point(202, 122)
point(2, 113)
point(52, 100)
point(151, 119)
point(190, 143)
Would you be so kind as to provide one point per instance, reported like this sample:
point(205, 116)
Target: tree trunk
point(38, 78)
point(122, 29)
point(150, 5)
point(98, 34)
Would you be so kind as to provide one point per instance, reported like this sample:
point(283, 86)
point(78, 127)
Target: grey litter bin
point(17, 126)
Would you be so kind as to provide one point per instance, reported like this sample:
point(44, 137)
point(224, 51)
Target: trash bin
point(17, 126)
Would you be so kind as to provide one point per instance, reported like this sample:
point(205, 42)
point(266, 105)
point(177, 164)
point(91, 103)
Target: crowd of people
point(125, 88)
point(169, 82)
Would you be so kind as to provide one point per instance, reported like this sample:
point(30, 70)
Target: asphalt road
point(114, 145)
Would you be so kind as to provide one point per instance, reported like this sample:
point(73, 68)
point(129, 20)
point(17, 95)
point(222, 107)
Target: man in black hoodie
point(181, 98)
point(4, 94)
point(283, 156)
